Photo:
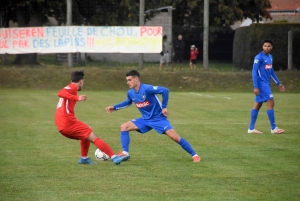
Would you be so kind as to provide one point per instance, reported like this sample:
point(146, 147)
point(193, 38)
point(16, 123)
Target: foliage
point(126, 12)
point(252, 37)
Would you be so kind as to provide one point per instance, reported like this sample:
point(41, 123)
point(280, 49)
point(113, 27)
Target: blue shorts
point(264, 95)
point(160, 125)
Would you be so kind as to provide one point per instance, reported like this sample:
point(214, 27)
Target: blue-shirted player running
point(261, 73)
point(154, 113)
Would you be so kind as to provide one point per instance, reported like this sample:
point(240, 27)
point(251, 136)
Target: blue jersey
point(146, 100)
point(263, 70)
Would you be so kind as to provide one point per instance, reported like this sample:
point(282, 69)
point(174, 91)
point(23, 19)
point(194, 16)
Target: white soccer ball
point(101, 156)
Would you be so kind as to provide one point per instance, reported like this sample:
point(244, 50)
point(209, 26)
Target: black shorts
point(178, 57)
point(194, 61)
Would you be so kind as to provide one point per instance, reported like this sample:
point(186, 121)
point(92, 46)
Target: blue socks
point(125, 140)
point(186, 146)
point(271, 116)
point(253, 117)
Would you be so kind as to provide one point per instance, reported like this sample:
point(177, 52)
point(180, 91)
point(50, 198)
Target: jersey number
point(59, 102)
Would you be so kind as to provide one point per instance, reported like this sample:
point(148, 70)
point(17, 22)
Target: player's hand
point(165, 112)
point(281, 87)
point(82, 98)
point(109, 109)
point(256, 91)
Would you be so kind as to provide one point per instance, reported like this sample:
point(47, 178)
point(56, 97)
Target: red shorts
point(76, 131)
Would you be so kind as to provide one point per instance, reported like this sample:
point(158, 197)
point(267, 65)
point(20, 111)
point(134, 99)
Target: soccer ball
point(101, 156)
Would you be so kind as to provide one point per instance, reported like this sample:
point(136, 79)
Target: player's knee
point(125, 127)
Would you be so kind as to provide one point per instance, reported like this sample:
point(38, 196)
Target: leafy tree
point(188, 14)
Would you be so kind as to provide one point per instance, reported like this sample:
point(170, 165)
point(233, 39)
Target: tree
point(27, 14)
point(188, 14)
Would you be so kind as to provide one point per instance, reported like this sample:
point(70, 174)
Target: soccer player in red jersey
point(72, 128)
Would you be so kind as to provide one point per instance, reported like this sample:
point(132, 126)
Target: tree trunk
point(27, 59)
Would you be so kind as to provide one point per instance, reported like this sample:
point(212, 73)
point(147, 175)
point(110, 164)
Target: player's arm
point(276, 80)
point(256, 64)
point(119, 106)
point(160, 90)
point(68, 93)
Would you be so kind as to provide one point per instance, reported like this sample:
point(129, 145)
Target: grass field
point(37, 163)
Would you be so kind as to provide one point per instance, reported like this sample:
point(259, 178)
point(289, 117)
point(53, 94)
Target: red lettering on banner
point(151, 31)
point(26, 32)
point(3, 44)
point(20, 43)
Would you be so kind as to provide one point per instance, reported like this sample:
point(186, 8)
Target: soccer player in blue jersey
point(154, 113)
point(261, 73)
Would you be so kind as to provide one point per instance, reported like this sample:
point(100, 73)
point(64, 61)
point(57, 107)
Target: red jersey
point(65, 116)
point(193, 54)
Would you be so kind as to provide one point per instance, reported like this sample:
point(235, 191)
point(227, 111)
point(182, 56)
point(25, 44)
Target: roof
point(286, 5)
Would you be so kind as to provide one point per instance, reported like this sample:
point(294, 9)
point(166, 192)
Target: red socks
point(84, 147)
point(104, 147)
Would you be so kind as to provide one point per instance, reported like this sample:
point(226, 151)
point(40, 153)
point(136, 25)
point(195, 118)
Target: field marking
point(209, 96)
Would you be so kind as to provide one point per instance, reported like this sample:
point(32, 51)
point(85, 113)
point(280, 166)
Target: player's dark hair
point(268, 41)
point(76, 76)
point(165, 37)
point(133, 73)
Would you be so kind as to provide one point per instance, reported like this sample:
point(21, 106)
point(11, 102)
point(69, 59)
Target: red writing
point(151, 31)
point(3, 44)
point(22, 32)
point(20, 43)
point(142, 104)
point(268, 66)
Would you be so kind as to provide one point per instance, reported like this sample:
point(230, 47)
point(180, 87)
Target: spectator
point(164, 54)
point(193, 57)
point(178, 52)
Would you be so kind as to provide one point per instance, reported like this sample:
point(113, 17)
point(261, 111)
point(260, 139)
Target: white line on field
point(209, 96)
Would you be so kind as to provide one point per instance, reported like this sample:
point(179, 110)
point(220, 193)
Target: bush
point(248, 42)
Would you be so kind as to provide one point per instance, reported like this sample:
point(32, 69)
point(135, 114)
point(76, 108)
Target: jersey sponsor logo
point(268, 66)
point(142, 104)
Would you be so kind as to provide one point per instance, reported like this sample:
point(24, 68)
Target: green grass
point(37, 163)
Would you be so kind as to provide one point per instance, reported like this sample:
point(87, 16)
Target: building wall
point(163, 19)
point(290, 17)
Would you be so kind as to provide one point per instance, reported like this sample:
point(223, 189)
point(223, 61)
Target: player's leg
point(100, 144)
point(253, 118)
point(139, 125)
point(124, 137)
point(103, 146)
point(191, 65)
point(271, 115)
point(171, 133)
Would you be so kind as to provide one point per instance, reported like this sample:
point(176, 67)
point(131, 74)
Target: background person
point(193, 57)
point(178, 48)
point(164, 54)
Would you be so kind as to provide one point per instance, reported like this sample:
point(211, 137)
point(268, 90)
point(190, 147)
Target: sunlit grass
point(37, 163)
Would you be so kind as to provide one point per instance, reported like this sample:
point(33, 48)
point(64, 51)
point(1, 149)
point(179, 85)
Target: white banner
point(66, 39)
